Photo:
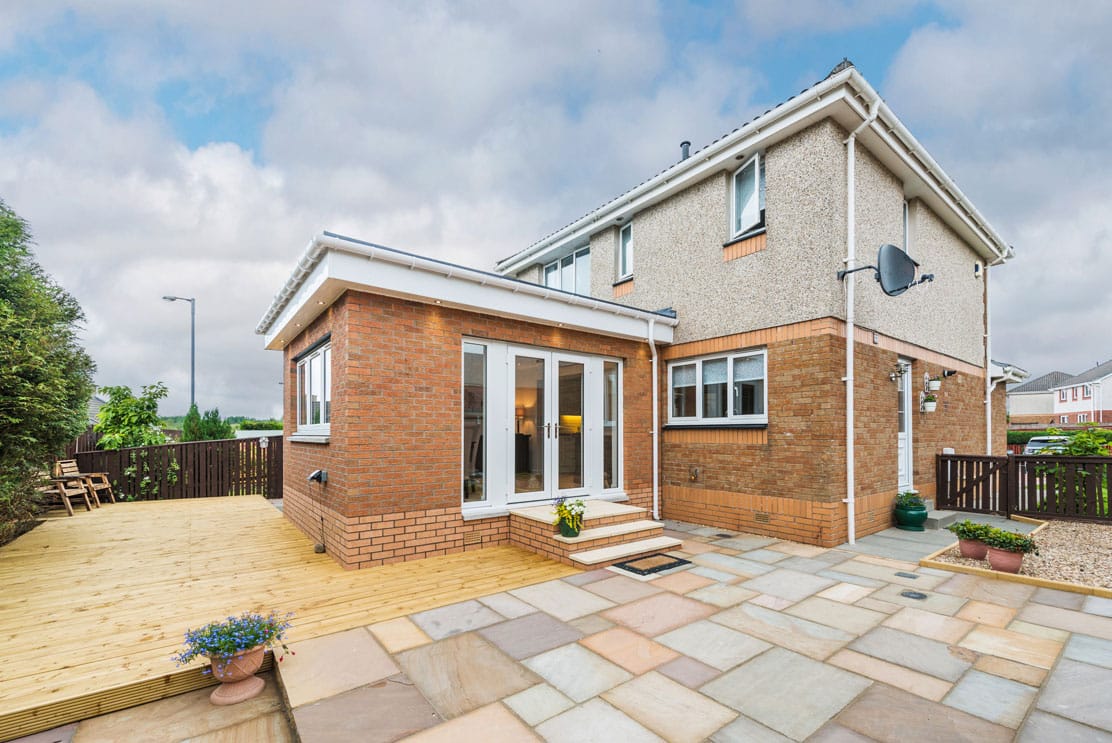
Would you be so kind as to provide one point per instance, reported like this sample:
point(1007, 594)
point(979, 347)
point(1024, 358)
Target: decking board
point(92, 607)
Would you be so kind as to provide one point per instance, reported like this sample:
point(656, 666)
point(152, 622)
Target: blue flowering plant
point(222, 640)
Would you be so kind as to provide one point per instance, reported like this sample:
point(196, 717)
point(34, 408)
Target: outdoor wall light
point(976, 270)
point(899, 371)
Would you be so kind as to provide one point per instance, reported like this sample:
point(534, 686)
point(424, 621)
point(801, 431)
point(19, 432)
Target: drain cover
point(723, 535)
point(913, 576)
point(650, 564)
point(917, 595)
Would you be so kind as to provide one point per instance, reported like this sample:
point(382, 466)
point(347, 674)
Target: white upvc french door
point(903, 436)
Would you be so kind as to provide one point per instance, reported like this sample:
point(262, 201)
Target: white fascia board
point(344, 267)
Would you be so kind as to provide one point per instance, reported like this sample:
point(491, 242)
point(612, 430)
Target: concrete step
point(622, 551)
point(613, 530)
point(939, 519)
point(596, 509)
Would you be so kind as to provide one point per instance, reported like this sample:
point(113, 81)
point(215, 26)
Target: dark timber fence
point(198, 469)
point(1041, 486)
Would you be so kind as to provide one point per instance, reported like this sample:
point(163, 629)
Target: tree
point(213, 427)
point(46, 377)
point(127, 420)
point(191, 425)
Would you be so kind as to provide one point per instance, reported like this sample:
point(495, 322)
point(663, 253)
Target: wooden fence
point(1041, 486)
point(198, 469)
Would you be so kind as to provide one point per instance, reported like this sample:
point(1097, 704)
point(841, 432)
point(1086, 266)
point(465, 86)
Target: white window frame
point(1063, 419)
point(736, 228)
point(554, 269)
point(1063, 395)
point(730, 418)
point(1082, 417)
point(625, 252)
point(320, 360)
point(906, 228)
point(1087, 392)
point(1074, 390)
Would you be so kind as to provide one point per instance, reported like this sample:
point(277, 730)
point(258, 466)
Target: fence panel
point(971, 483)
point(198, 469)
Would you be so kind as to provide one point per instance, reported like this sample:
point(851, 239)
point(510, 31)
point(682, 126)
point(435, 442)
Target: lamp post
point(192, 344)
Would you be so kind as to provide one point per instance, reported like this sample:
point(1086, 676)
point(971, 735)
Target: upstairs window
point(719, 389)
point(314, 391)
point(1074, 389)
point(1086, 392)
point(1062, 396)
point(748, 203)
point(625, 252)
point(572, 273)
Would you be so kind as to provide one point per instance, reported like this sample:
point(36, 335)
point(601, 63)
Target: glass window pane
point(625, 254)
point(683, 391)
point(569, 425)
point(610, 438)
point(761, 187)
point(714, 388)
point(551, 276)
point(567, 274)
point(315, 388)
point(326, 372)
point(746, 204)
point(583, 273)
point(474, 423)
point(748, 385)
point(529, 411)
point(302, 394)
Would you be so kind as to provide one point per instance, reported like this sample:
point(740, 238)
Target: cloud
point(769, 19)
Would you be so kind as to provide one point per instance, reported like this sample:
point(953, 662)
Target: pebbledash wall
point(788, 480)
point(393, 455)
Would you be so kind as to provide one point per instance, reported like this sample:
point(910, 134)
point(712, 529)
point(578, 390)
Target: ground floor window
point(314, 390)
point(538, 424)
point(727, 388)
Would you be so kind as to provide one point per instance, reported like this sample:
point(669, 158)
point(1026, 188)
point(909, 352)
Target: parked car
point(1050, 444)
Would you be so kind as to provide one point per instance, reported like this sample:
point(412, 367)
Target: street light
point(192, 344)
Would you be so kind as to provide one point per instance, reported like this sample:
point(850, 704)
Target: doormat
point(650, 564)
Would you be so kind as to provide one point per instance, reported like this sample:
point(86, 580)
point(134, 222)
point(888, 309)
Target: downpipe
point(655, 433)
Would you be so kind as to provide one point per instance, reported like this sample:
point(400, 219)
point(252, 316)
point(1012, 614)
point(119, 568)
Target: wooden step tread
point(613, 530)
point(596, 509)
point(618, 551)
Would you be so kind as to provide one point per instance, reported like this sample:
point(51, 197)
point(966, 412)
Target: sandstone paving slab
point(1065, 619)
point(917, 683)
point(692, 547)
point(562, 600)
point(721, 595)
point(835, 556)
point(989, 590)
point(591, 624)
point(760, 689)
point(1061, 599)
point(888, 562)
point(669, 709)
point(857, 580)
point(490, 724)
point(590, 576)
point(622, 590)
point(658, 614)
point(595, 722)
point(720, 576)
point(832, 732)
point(1034, 651)
point(682, 582)
point(1079, 691)
point(852, 619)
point(983, 612)
point(1089, 650)
point(847, 593)
point(993, 698)
point(739, 566)
point(745, 542)
point(912, 651)
point(745, 730)
point(529, 635)
point(387, 710)
point(332, 664)
point(713, 532)
point(577, 672)
point(888, 574)
point(508, 606)
point(1097, 605)
point(803, 564)
point(765, 555)
point(788, 584)
point(884, 607)
point(1038, 630)
point(771, 602)
point(62, 734)
point(688, 671)
point(939, 603)
point(633, 652)
point(1041, 727)
point(464, 672)
point(399, 634)
point(891, 715)
point(713, 644)
point(1010, 669)
point(273, 728)
point(538, 703)
point(928, 624)
point(798, 550)
point(455, 618)
point(801, 635)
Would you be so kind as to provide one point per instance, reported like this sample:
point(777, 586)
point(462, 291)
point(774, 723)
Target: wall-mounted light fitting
point(977, 270)
point(899, 371)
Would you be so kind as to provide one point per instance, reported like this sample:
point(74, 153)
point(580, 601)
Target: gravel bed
point(1069, 551)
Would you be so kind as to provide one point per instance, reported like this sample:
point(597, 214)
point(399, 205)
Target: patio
point(94, 606)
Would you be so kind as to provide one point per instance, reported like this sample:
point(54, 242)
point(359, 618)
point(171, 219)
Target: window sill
point(623, 280)
point(689, 426)
point(304, 438)
point(745, 236)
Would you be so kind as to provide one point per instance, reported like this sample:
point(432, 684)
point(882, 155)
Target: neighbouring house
point(1032, 403)
point(1080, 399)
point(682, 348)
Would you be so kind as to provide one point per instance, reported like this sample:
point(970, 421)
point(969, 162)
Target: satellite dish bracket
point(897, 274)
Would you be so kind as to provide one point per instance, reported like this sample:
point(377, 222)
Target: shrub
point(969, 530)
point(1009, 541)
point(909, 499)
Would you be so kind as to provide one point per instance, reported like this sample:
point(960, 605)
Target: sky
point(194, 147)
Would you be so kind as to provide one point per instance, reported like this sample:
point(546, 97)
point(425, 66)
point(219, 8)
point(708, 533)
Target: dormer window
point(572, 273)
point(748, 212)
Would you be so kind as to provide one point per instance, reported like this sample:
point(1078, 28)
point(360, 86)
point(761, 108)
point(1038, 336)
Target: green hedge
point(1022, 437)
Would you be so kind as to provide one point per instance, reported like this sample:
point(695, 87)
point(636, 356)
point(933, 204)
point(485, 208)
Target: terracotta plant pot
point(566, 530)
point(236, 673)
point(974, 549)
point(1004, 561)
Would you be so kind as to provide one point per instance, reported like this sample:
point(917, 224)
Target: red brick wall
point(394, 453)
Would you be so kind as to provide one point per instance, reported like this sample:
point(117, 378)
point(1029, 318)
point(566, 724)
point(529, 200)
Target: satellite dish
point(895, 270)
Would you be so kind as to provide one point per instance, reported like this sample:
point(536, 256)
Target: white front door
point(903, 436)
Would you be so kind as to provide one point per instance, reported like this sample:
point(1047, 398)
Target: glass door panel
point(530, 440)
point(568, 426)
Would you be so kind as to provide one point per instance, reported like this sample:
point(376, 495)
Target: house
point(682, 348)
point(1082, 399)
point(1032, 403)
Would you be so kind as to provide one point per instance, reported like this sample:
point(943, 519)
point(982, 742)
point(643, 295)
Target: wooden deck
point(92, 607)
